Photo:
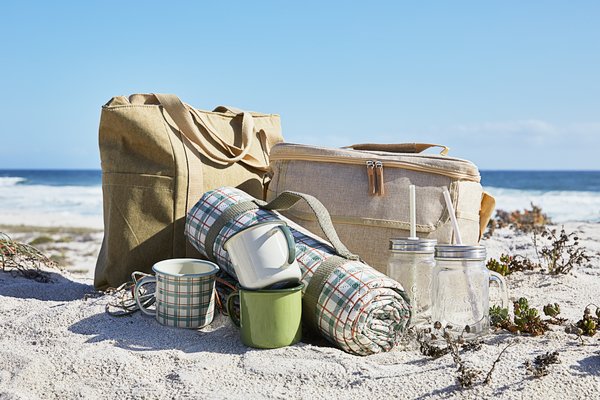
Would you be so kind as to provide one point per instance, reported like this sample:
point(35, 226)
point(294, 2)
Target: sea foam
point(561, 206)
point(43, 205)
point(11, 180)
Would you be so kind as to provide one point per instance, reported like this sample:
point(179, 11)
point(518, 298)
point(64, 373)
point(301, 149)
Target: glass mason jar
point(411, 264)
point(460, 289)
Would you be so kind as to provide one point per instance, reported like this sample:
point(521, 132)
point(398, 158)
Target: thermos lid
point(455, 251)
point(413, 244)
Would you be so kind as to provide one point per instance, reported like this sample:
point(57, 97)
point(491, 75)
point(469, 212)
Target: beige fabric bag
point(159, 156)
point(366, 190)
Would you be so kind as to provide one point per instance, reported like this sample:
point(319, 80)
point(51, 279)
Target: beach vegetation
point(539, 366)
point(558, 252)
point(64, 239)
point(526, 319)
point(43, 239)
point(23, 259)
point(49, 230)
point(440, 341)
point(590, 323)
point(553, 311)
point(521, 221)
point(561, 252)
point(508, 264)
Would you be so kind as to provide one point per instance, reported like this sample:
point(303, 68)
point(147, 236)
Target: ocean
point(74, 197)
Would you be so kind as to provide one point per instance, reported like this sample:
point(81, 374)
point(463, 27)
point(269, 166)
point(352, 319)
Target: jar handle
point(496, 277)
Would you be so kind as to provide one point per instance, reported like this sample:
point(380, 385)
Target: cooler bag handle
point(183, 115)
point(282, 202)
point(398, 147)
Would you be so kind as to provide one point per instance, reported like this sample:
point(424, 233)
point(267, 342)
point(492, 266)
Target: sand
point(56, 342)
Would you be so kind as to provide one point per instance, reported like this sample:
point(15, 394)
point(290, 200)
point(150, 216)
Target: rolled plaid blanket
point(351, 304)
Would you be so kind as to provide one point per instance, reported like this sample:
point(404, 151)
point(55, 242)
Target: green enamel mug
point(268, 319)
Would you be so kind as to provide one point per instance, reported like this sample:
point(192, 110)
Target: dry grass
point(23, 259)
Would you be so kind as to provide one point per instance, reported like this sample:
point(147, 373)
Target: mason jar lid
point(455, 251)
point(412, 244)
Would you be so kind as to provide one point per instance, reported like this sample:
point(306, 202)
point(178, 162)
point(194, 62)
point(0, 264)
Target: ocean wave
point(11, 180)
point(561, 206)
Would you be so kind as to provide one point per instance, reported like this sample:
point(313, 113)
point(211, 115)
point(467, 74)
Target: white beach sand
point(55, 344)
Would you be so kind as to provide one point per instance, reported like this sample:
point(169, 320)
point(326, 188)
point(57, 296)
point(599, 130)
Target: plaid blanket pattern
point(359, 309)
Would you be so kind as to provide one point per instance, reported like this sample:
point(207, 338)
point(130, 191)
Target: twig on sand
point(466, 376)
point(488, 377)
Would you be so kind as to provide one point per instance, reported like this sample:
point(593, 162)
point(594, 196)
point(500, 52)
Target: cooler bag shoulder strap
point(288, 198)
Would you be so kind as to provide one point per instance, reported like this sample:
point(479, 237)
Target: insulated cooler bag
point(159, 156)
point(366, 190)
point(351, 304)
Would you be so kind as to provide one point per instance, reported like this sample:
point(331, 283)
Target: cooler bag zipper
point(375, 169)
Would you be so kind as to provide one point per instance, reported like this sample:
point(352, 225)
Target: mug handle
point(140, 299)
point(230, 298)
point(289, 238)
point(496, 277)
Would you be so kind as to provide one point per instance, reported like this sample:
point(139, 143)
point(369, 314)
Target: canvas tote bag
point(158, 157)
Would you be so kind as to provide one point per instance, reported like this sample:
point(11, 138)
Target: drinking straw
point(413, 213)
point(458, 241)
point(452, 213)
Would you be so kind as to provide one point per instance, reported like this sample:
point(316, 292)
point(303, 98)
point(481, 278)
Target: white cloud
point(530, 126)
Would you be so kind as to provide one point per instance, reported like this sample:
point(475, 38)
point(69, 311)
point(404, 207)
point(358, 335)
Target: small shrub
point(525, 221)
point(561, 252)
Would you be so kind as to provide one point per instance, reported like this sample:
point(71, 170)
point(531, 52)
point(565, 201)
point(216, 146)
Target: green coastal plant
point(526, 320)
point(590, 323)
point(499, 317)
point(553, 311)
point(509, 264)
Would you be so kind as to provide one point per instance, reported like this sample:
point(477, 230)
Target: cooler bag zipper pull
point(371, 175)
point(379, 166)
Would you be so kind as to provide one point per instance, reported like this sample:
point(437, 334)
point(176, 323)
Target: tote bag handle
point(184, 115)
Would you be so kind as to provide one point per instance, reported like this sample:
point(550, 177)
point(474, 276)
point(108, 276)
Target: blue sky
point(508, 85)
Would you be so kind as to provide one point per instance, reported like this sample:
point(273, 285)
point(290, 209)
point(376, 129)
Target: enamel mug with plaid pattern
point(185, 292)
